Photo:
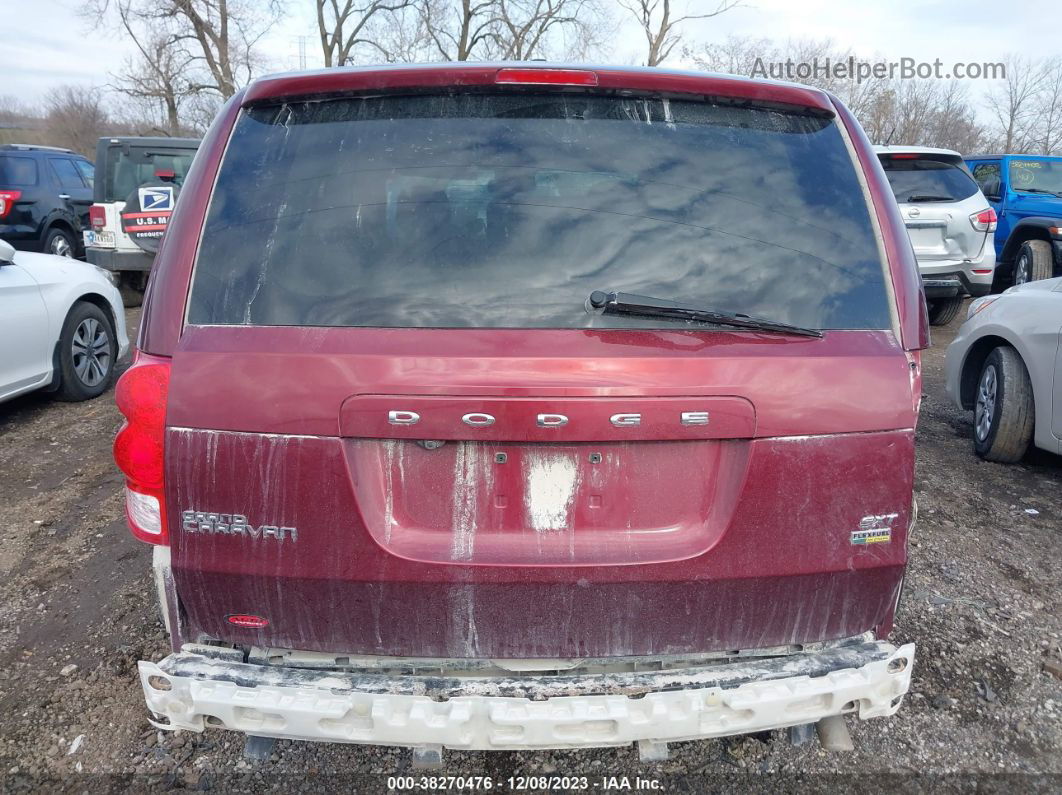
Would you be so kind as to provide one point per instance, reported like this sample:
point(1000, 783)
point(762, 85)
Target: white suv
point(123, 166)
point(949, 221)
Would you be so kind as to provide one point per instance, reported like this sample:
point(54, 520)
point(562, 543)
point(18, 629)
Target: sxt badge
point(874, 529)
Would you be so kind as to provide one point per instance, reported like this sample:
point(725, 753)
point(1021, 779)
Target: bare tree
point(400, 36)
point(190, 55)
point(954, 123)
point(74, 118)
point(927, 112)
point(218, 39)
point(155, 81)
point(746, 56)
point(14, 110)
point(459, 30)
point(462, 30)
point(157, 78)
point(735, 55)
point(1047, 129)
point(222, 35)
point(592, 38)
point(343, 25)
point(661, 29)
point(1013, 103)
point(525, 27)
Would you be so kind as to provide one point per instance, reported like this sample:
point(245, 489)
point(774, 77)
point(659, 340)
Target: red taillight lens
point(138, 453)
point(984, 221)
point(7, 201)
point(97, 217)
point(552, 77)
point(904, 157)
point(138, 447)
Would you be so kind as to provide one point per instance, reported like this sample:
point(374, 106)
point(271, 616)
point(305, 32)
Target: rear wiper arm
point(644, 306)
point(1038, 190)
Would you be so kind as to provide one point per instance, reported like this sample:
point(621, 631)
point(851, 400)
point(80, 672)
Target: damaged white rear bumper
point(193, 691)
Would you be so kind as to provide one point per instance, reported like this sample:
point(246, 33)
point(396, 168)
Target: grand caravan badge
point(234, 524)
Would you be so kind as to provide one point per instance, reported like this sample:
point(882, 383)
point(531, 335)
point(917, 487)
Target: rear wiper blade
point(644, 306)
point(929, 197)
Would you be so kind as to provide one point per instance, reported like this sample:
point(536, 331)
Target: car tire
point(88, 353)
point(59, 242)
point(131, 286)
point(1034, 262)
point(1003, 408)
point(944, 310)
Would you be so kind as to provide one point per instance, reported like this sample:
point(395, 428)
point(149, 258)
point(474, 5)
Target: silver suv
point(949, 221)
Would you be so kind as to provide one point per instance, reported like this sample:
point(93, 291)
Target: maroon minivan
point(517, 407)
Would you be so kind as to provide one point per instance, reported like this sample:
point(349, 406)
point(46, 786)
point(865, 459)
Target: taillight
point(552, 77)
point(984, 221)
point(97, 216)
point(7, 201)
point(138, 447)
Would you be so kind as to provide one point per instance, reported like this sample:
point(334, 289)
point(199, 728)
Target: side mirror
point(7, 253)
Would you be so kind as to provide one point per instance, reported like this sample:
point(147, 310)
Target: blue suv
point(1026, 193)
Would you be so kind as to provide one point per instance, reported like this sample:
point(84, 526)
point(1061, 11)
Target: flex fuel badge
point(874, 529)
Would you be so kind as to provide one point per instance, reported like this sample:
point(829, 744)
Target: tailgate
point(561, 527)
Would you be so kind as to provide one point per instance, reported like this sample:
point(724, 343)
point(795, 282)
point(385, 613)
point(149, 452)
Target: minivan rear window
point(926, 179)
point(17, 171)
point(507, 210)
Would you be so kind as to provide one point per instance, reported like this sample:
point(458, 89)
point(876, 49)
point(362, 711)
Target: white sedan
point(62, 327)
point(1006, 365)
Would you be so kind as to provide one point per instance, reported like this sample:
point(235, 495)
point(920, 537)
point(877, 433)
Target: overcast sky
point(47, 44)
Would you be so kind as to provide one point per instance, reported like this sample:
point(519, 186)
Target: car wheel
point(59, 242)
point(87, 353)
point(1003, 408)
point(943, 311)
point(1034, 262)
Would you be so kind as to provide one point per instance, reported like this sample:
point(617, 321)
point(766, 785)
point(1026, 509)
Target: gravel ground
point(77, 611)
